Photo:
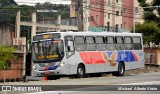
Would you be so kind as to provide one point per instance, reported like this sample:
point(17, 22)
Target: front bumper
point(58, 71)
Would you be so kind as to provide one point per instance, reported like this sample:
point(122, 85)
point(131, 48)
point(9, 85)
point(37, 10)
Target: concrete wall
point(5, 35)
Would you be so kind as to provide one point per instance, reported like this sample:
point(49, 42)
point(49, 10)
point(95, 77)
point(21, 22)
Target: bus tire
point(121, 70)
point(80, 71)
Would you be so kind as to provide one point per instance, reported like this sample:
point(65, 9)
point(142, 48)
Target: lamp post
point(4, 65)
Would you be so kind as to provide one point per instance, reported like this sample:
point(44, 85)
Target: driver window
point(70, 46)
point(69, 43)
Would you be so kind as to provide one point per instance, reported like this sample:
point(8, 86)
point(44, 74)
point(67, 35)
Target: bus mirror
point(28, 45)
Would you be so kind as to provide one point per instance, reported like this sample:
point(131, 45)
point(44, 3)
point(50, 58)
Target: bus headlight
point(61, 64)
point(34, 68)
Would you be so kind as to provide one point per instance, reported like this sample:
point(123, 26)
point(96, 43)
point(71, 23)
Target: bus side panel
point(139, 63)
point(74, 60)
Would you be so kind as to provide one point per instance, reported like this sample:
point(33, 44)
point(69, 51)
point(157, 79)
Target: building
point(108, 15)
point(15, 72)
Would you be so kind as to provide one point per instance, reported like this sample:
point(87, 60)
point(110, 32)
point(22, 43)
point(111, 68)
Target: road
point(100, 85)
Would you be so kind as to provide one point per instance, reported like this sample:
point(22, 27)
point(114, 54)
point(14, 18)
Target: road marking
point(54, 92)
point(144, 83)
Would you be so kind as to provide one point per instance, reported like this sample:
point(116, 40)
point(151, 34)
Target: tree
point(151, 27)
point(6, 53)
point(6, 13)
point(156, 3)
point(51, 11)
point(150, 31)
point(149, 14)
point(7, 3)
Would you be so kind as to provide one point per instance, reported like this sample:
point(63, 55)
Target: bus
point(80, 53)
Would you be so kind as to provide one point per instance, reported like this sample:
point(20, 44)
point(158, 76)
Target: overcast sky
point(33, 2)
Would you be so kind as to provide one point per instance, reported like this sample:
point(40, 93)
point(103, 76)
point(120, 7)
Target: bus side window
point(110, 45)
point(100, 43)
point(90, 43)
point(128, 43)
point(137, 45)
point(119, 43)
point(79, 43)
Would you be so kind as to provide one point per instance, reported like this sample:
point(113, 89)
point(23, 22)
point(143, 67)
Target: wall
point(16, 69)
point(97, 11)
point(5, 35)
point(127, 14)
point(6, 38)
point(154, 59)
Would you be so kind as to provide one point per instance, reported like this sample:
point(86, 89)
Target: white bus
point(81, 53)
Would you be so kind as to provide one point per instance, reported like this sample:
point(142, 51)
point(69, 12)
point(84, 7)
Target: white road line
point(54, 92)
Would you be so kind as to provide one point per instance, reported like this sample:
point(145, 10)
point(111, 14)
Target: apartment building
point(109, 15)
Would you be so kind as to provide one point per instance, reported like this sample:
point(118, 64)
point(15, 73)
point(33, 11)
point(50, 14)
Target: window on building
point(91, 18)
point(80, 44)
point(137, 43)
point(116, 1)
point(100, 44)
point(110, 45)
point(117, 26)
point(108, 26)
point(119, 43)
point(109, 2)
point(97, 3)
point(136, 9)
point(96, 17)
point(117, 13)
point(90, 43)
point(121, 12)
point(109, 15)
point(124, 10)
point(125, 23)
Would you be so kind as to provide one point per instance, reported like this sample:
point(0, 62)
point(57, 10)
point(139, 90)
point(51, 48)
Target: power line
point(105, 12)
point(111, 7)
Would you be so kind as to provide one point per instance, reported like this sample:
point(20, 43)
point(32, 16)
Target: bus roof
point(94, 33)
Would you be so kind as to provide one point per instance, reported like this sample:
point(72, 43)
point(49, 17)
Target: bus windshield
point(48, 50)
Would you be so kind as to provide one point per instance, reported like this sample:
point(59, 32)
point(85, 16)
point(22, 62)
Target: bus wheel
point(121, 70)
point(80, 71)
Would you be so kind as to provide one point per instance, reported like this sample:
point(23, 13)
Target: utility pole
point(134, 16)
point(79, 14)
